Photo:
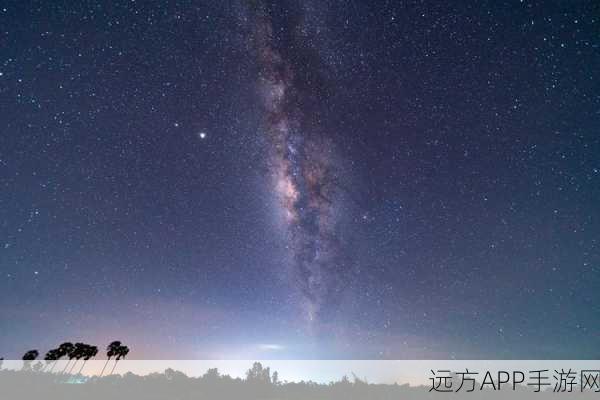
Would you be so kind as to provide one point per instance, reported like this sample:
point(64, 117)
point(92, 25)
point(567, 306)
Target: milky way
point(302, 164)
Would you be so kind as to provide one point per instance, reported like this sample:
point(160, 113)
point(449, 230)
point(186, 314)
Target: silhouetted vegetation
point(259, 383)
point(37, 381)
point(77, 351)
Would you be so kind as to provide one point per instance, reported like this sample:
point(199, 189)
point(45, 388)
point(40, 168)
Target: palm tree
point(58, 355)
point(91, 352)
point(31, 355)
point(51, 355)
point(122, 351)
point(78, 353)
point(63, 350)
point(111, 351)
point(69, 351)
point(28, 358)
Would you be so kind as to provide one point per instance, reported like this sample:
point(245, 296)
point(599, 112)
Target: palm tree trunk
point(53, 365)
point(72, 366)
point(114, 366)
point(80, 369)
point(104, 366)
point(64, 369)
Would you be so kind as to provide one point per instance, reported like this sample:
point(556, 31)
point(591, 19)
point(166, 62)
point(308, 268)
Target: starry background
point(136, 198)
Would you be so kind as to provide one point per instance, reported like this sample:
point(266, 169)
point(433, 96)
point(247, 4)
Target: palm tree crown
point(31, 355)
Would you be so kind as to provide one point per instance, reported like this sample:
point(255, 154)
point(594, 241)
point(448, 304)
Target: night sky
point(301, 179)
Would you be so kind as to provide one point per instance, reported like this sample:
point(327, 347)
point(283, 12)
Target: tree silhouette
point(211, 375)
point(122, 351)
point(37, 367)
point(69, 350)
point(31, 355)
point(63, 350)
point(75, 352)
point(51, 356)
point(90, 352)
point(259, 374)
point(172, 375)
point(111, 351)
point(28, 358)
point(78, 353)
point(81, 350)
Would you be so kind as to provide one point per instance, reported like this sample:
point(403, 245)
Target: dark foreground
point(259, 384)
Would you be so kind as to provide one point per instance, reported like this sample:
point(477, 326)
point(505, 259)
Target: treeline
point(259, 383)
point(72, 353)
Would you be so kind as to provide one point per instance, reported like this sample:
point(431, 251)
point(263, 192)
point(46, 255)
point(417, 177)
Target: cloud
point(271, 347)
